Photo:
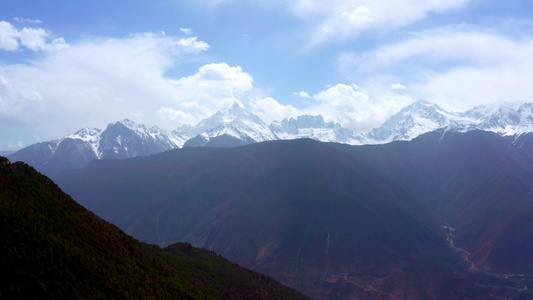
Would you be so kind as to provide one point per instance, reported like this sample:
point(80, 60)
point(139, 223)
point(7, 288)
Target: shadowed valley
point(336, 221)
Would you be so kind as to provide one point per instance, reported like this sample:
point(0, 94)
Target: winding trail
point(465, 256)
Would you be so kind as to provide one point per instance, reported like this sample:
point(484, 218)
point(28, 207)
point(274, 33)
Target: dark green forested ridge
point(54, 248)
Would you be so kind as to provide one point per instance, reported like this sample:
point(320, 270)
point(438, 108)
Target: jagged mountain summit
point(423, 117)
point(234, 126)
point(89, 135)
point(126, 139)
point(119, 140)
point(501, 119)
point(313, 127)
point(413, 120)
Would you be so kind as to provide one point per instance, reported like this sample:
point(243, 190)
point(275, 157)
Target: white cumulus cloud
point(352, 107)
point(214, 87)
point(96, 81)
point(271, 110)
point(34, 39)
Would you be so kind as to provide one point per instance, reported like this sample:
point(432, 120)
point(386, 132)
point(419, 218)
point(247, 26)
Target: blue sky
point(65, 65)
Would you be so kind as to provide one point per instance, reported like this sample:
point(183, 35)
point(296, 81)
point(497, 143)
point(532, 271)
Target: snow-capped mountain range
point(236, 126)
point(312, 127)
point(422, 117)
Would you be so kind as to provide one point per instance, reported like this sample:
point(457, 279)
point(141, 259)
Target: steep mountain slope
point(524, 143)
point(478, 184)
point(229, 128)
point(56, 156)
point(126, 139)
point(54, 248)
point(303, 212)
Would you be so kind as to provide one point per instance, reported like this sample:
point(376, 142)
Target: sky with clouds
point(65, 65)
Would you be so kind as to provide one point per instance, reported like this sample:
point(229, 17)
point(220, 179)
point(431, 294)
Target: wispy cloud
point(455, 67)
point(345, 20)
point(25, 20)
point(397, 86)
point(302, 94)
point(187, 31)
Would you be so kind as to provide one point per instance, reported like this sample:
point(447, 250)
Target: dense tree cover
point(54, 248)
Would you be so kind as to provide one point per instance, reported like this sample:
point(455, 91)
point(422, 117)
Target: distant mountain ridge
point(235, 126)
point(119, 140)
point(313, 127)
point(423, 116)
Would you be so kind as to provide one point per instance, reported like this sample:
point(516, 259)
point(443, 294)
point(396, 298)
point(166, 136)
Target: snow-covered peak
point(235, 121)
point(418, 118)
point(235, 109)
point(525, 111)
point(314, 127)
point(423, 116)
point(89, 135)
point(292, 126)
point(183, 130)
point(129, 124)
point(169, 139)
point(501, 118)
point(86, 134)
point(156, 132)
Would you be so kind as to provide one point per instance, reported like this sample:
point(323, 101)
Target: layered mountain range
point(436, 205)
point(447, 215)
point(235, 126)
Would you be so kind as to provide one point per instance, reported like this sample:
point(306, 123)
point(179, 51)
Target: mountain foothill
point(53, 248)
